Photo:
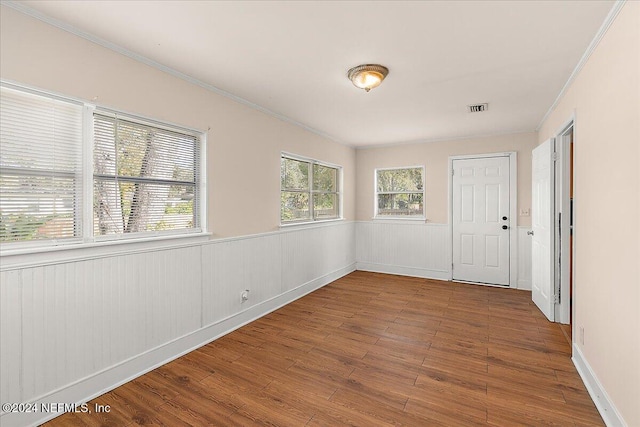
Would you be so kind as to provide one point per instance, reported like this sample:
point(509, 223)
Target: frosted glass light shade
point(367, 76)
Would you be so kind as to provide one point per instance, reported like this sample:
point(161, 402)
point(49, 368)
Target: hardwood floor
point(566, 331)
point(369, 349)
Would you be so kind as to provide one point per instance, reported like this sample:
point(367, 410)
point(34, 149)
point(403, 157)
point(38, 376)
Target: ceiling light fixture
point(367, 76)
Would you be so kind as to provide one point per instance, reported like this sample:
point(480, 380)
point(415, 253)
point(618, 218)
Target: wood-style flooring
point(369, 350)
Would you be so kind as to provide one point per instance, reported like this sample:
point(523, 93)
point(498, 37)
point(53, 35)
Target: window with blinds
point(40, 167)
point(72, 173)
point(144, 178)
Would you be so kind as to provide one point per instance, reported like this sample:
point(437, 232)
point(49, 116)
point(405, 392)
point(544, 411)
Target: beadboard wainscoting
point(409, 248)
point(73, 329)
point(524, 258)
point(413, 248)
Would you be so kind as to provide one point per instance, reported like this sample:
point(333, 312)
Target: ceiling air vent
point(477, 108)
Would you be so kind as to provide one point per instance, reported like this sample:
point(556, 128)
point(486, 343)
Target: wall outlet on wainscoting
point(244, 295)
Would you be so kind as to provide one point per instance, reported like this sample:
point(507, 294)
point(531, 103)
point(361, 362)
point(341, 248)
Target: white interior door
point(542, 194)
point(481, 223)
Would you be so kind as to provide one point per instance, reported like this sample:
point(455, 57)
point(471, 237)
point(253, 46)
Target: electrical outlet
point(582, 335)
point(525, 212)
point(244, 295)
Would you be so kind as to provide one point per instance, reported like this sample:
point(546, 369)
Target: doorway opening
point(564, 229)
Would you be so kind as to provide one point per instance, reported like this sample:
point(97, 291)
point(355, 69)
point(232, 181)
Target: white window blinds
point(40, 167)
point(144, 178)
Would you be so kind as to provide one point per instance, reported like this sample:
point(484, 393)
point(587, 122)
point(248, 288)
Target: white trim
point(202, 179)
point(524, 258)
point(305, 224)
point(73, 253)
point(300, 158)
point(311, 191)
point(401, 167)
point(51, 255)
point(615, 9)
point(399, 219)
point(9, 84)
point(407, 221)
point(524, 285)
point(175, 73)
point(434, 140)
point(86, 215)
point(403, 271)
point(84, 390)
point(513, 224)
point(491, 285)
point(562, 204)
point(481, 156)
point(513, 208)
point(601, 399)
point(102, 109)
point(138, 119)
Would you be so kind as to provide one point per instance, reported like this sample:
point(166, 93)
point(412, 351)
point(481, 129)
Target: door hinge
point(555, 156)
point(453, 172)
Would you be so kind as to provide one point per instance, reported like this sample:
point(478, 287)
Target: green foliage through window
point(400, 192)
point(309, 190)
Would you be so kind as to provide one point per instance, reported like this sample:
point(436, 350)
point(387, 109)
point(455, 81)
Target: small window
point(310, 190)
point(144, 178)
point(400, 193)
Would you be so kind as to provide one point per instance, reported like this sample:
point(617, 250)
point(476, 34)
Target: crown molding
point(150, 62)
point(613, 13)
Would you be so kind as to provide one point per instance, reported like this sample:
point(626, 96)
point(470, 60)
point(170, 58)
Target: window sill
point(45, 255)
point(309, 223)
point(399, 219)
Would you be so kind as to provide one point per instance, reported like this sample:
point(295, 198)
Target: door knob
point(504, 218)
point(504, 227)
point(530, 233)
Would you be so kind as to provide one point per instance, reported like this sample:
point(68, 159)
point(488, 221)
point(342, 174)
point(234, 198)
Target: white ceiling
point(292, 57)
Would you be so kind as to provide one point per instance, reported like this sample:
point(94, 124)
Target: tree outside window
point(309, 190)
point(400, 192)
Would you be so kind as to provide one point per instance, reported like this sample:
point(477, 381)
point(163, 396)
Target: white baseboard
point(106, 380)
point(404, 271)
point(605, 406)
point(524, 284)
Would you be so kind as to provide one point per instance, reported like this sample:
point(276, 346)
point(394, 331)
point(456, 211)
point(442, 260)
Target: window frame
point(198, 213)
point(79, 200)
point(310, 191)
point(84, 216)
point(376, 205)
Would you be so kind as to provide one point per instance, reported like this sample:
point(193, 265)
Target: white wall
point(605, 98)
point(423, 249)
point(243, 144)
point(77, 322)
point(74, 328)
point(417, 249)
point(434, 156)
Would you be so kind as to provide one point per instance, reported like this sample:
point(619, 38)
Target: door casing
point(562, 231)
point(513, 211)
